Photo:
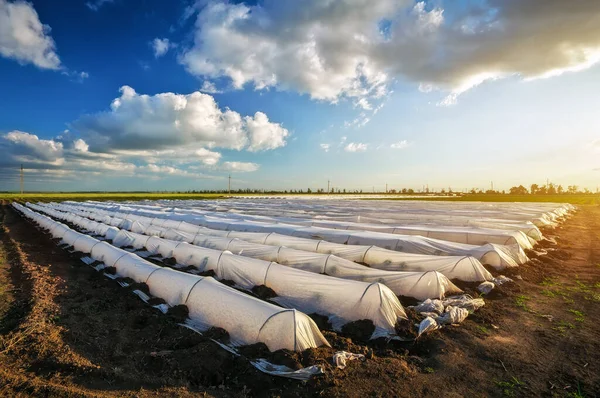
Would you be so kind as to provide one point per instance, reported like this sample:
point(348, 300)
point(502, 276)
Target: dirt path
point(65, 330)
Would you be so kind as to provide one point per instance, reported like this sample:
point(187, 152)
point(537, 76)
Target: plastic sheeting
point(464, 268)
point(341, 300)
point(210, 304)
point(419, 285)
point(496, 255)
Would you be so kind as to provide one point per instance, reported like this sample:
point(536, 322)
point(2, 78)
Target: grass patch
point(521, 301)
point(510, 387)
point(563, 327)
point(429, 370)
point(548, 293)
point(482, 329)
point(549, 282)
point(579, 316)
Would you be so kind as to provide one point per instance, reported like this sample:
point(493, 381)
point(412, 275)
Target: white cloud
point(353, 49)
point(24, 38)
point(95, 5)
point(207, 157)
point(80, 145)
point(30, 145)
point(325, 147)
point(399, 145)
point(160, 47)
point(264, 135)
point(169, 120)
point(356, 147)
point(210, 88)
point(241, 167)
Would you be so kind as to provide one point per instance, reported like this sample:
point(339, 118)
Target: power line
point(22, 179)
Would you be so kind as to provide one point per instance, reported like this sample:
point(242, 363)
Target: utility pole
point(327, 186)
point(22, 179)
point(229, 188)
point(386, 191)
point(492, 182)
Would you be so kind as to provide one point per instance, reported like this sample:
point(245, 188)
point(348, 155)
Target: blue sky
point(166, 95)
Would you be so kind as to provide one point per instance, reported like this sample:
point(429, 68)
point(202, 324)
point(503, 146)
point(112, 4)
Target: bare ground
point(66, 330)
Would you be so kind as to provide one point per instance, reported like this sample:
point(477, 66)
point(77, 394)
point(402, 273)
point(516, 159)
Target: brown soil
point(66, 330)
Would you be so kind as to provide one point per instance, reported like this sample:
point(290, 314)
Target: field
point(576, 199)
point(66, 330)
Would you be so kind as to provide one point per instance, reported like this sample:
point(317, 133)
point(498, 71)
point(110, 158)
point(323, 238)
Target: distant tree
point(308, 190)
point(520, 190)
point(551, 189)
point(404, 190)
point(560, 189)
point(410, 191)
point(534, 188)
point(443, 192)
point(344, 190)
point(542, 190)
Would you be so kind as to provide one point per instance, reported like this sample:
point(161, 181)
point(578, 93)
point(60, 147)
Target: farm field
point(68, 330)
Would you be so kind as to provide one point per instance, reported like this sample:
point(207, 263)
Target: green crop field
point(113, 196)
point(581, 199)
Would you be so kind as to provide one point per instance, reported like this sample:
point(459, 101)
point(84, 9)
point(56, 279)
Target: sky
point(159, 95)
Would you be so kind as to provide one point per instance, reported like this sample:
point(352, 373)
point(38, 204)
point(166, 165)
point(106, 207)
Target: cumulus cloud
point(239, 166)
point(353, 49)
point(30, 146)
point(24, 38)
point(399, 145)
point(325, 147)
point(263, 134)
point(207, 157)
point(80, 145)
point(356, 147)
point(160, 47)
point(169, 120)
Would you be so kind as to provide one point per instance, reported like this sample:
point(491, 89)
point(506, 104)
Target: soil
point(67, 330)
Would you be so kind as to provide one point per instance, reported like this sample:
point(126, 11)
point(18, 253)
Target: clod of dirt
point(263, 292)
point(108, 270)
point(169, 261)
point(179, 313)
point(287, 358)
point(220, 335)
point(256, 350)
point(133, 285)
point(209, 272)
point(156, 301)
point(360, 330)
point(321, 320)
point(227, 282)
point(314, 356)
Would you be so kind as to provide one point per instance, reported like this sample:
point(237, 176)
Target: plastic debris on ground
point(453, 315)
point(501, 280)
point(464, 301)
point(430, 305)
point(428, 325)
point(341, 358)
point(486, 287)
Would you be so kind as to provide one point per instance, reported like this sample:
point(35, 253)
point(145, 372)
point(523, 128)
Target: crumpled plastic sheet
point(464, 301)
point(453, 315)
point(341, 358)
point(501, 280)
point(486, 287)
point(430, 305)
point(427, 325)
